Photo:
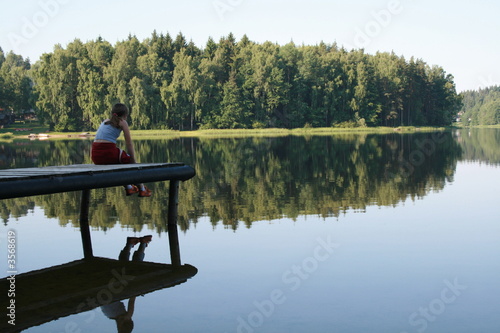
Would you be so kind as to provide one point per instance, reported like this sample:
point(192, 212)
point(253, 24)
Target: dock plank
point(51, 171)
point(55, 179)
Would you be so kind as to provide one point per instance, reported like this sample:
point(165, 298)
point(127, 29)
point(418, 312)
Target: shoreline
point(232, 132)
point(222, 133)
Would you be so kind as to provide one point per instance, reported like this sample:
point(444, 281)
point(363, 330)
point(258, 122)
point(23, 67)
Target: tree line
point(481, 107)
point(16, 86)
point(170, 83)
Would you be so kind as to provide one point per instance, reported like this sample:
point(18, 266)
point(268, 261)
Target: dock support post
point(173, 237)
point(84, 224)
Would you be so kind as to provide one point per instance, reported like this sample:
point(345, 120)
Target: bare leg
point(139, 253)
point(125, 253)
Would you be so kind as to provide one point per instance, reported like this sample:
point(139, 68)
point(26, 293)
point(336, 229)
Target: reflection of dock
point(82, 285)
point(54, 292)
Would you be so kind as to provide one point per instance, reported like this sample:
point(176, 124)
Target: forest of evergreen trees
point(481, 107)
point(170, 83)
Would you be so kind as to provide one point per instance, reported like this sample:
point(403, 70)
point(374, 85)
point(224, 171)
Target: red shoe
point(145, 193)
point(146, 239)
point(132, 190)
point(133, 240)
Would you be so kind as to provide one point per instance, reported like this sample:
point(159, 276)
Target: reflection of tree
point(25, 154)
point(480, 144)
point(250, 179)
point(15, 208)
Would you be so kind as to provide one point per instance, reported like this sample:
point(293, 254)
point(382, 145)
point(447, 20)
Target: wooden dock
point(59, 291)
point(24, 182)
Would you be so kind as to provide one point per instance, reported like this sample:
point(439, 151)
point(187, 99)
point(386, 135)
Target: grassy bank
point(483, 126)
point(304, 131)
point(21, 131)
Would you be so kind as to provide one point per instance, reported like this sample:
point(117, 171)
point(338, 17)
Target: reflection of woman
point(123, 317)
point(116, 310)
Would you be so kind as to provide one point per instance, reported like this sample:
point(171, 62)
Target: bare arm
point(128, 140)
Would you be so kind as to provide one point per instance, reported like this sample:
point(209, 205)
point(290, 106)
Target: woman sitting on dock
point(105, 151)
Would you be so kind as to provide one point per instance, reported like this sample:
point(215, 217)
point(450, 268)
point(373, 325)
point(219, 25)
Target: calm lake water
point(345, 233)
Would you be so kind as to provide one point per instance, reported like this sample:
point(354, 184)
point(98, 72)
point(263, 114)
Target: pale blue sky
point(462, 36)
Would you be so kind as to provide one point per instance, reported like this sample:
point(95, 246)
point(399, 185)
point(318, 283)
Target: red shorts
point(108, 153)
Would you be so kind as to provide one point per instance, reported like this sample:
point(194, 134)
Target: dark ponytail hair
point(118, 111)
